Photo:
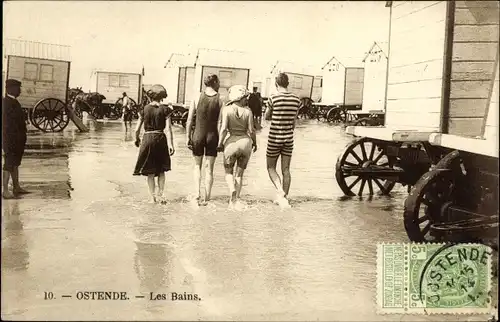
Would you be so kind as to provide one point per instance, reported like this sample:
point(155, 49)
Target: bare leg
point(285, 170)
point(161, 186)
point(151, 185)
point(239, 180)
point(6, 177)
point(197, 175)
point(230, 185)
point(273, 175)
point(209, 177)
point(15, 180)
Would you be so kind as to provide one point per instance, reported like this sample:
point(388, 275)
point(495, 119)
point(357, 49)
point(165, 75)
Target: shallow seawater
point(87, 226)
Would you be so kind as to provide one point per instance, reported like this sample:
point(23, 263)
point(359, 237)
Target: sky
point(128, 35)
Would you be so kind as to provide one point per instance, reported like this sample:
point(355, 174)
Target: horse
point(86, 102)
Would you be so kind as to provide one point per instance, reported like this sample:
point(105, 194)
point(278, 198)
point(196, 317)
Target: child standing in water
point(156, 147)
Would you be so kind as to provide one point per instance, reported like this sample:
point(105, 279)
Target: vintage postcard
point(250, 160)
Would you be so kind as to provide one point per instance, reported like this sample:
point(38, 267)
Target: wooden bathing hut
point(232, 68)
point(343, 82)
point(375, 77)
point(112, 84)
point(441, 130)
point(178, 77)
point(304, 80)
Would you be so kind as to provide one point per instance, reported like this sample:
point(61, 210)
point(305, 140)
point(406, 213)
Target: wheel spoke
point(426, 202)
point(423, 219)
point(356, 157)
point(363, 151)
point(354, 183)
point(379, 156)
point(380, 186)
point(362, 187)
point(426, 229)
point(370, 186)
point(350, 164)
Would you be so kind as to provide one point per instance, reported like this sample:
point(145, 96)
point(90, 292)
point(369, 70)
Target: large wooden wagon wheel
point(184, 118)
point(336, 115)
point(75, 105)
point(305, 107)
point(117, 109)
point(50, 115)
point(423, 205)
point(356, 168)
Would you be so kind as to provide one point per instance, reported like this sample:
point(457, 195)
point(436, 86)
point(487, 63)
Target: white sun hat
point(236, 93)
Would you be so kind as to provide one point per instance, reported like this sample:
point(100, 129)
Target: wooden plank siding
point(354, 86)
point(113, 93)
point(414, 87)
point(491, 125)
point(190, 80)
point(239, 76)
point(181, 86)
point(317, 89)
point(475, 46)
point(35, 90)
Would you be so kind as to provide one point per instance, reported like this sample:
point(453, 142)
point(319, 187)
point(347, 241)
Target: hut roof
point(35, 49)
point(111, 70)
point(378, 46)
point(345, 61)
point(222, 58)
point(291, 67)
point(180, 60)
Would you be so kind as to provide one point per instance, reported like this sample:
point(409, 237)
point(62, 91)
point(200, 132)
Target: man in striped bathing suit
point(282, 110)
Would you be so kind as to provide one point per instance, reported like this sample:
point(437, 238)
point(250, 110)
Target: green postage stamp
point(433, 278)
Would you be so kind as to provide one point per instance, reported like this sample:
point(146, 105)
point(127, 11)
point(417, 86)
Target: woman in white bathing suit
point(237, 119)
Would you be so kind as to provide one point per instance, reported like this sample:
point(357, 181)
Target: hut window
point(123, 81)
point(114, 81)
point(46, 73)
point(30, 71)
point(225, 78)
point(297, 82)
point(318, 82)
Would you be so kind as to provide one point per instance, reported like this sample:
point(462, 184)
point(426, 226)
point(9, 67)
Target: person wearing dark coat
point(255, 104)
point(13, 138)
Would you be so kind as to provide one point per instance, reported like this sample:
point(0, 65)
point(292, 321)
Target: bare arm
point(296, 118)
point(251, 130)
point(269, 110)
point(222, 128)
point(138, 126)
point(219, 122)
point(170, 136)
point(189, 121)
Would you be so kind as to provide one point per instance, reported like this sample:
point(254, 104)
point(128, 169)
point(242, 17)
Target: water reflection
point(15, 253)
point(276, 277)
point(153, 255)
point(45, 166)
point(128, 136)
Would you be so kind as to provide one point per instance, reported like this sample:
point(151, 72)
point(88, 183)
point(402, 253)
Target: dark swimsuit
point(206, 136)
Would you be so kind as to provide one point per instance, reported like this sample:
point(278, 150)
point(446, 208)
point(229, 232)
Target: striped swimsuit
point(284, 111)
